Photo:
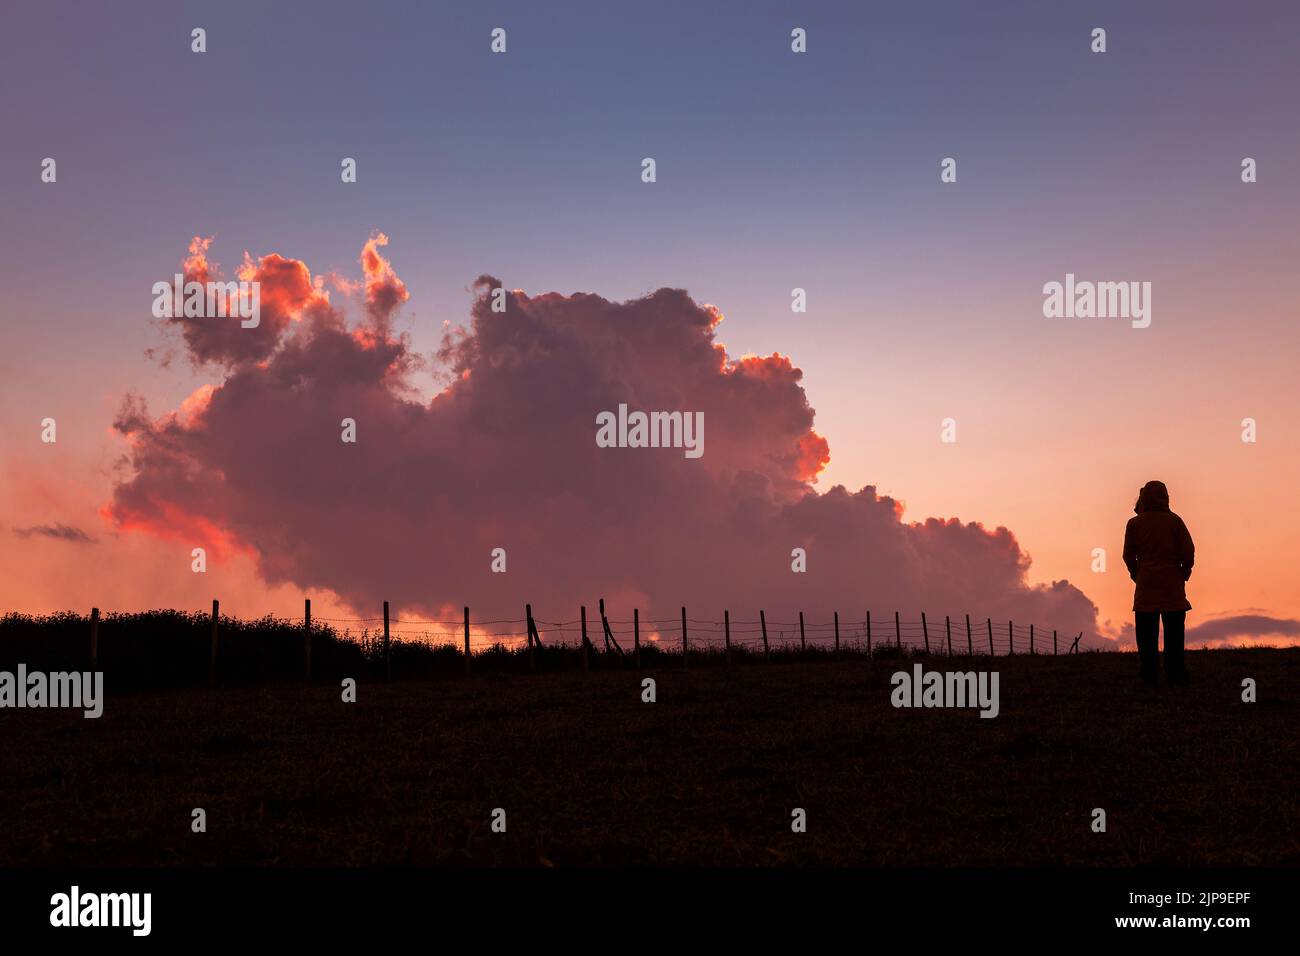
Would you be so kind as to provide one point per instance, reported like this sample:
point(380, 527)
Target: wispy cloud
point(59, 532)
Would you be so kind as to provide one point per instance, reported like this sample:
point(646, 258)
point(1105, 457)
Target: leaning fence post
point(388, 658)
point(1054, 651)
point(1031, 639)
point(636, 636)
point(466, 639)
point(531, 626)
point(683, 638)
point(212, 657)
point(837, 635)
point(803, 646)
point(947, 628)
point(604, 624)
point(306, 640)
point(1011, 638)
point(609, 634)
point(726, 633)
point(925, 631)
point(585, 663)
point(992, 652)
point(762, 620)
point(898, 634)
point(970, 646)
point(94, 638)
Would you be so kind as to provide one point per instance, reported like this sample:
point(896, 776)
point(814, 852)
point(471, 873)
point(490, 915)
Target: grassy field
point(588, 774)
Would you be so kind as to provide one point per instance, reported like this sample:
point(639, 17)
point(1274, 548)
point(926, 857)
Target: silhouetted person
point(1159, 553)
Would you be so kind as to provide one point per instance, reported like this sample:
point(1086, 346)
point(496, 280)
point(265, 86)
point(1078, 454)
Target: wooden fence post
point(609, 634)
point(1054, 651)
point(531, 626)
point(837, 635)
point(970, 645)
point(306, 641)
point(947, 627)
point(94, 639)
point(898, 634)
point(1011, 638)
point(212, 657)
point(683, 638)
point(762, 620)
point(992, 652)
point(636, 636)
point(388, 660)
point(926, 632)
point(467, 654)
point(1031, 639)
point(868, 636)
point(585, 663)
point(726, 633)
point(803, 646)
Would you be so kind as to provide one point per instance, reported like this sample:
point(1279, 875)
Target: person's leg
point(1147, 628)
point(1175, 666)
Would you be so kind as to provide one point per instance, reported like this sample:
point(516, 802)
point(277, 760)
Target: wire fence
point(948, 634)
point(164, 648)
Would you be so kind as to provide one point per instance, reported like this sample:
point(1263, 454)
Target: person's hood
point(1154, 496)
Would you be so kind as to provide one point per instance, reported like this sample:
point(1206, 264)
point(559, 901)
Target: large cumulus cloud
point(505, 456)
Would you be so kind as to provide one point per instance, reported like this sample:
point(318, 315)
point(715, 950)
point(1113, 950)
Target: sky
point(774, 171)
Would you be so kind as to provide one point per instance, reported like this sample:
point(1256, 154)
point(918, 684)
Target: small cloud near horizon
point(1232, 630)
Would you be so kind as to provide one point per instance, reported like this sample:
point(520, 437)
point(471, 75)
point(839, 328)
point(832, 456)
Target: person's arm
point(1187, 550)
point(1130, 551)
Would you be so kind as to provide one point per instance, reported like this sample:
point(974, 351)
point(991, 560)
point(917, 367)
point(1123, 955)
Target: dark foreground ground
point(588, 774)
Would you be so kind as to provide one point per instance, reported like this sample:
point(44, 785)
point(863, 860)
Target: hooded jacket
point(1158, 552)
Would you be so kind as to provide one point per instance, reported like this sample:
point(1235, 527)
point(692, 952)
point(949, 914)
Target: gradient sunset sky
point(775, 171)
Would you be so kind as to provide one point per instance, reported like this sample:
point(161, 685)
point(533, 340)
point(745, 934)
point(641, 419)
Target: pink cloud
point(505, 456)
